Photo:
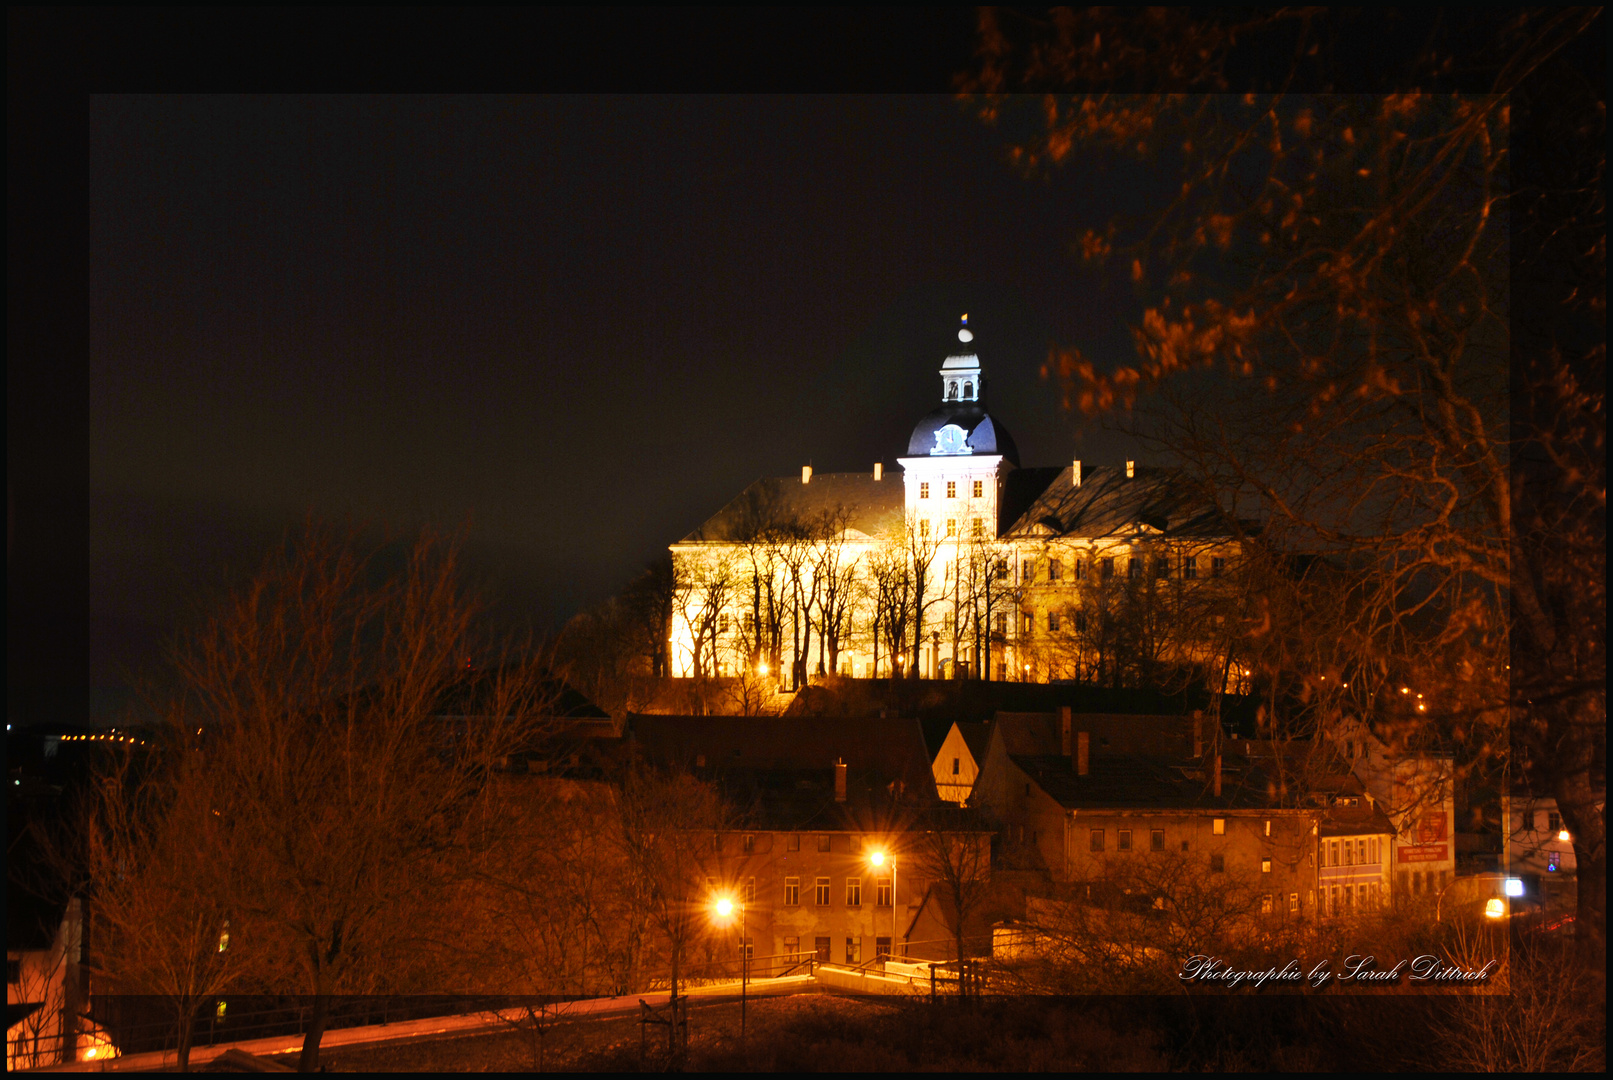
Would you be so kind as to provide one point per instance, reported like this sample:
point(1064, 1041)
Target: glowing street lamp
point(725, 909)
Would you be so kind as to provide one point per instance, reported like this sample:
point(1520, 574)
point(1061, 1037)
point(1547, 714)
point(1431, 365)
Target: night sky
point(578, 324)
point(574, 324)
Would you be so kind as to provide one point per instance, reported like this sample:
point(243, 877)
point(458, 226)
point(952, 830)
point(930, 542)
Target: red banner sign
point(1424, 853)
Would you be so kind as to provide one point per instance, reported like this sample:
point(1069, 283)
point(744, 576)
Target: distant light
point(761, 669)
point(877, 858)
point(1405, 689)
point(1495, 908)
point(725, 907)
point(1514, 886)
point(965, 335)
point(1562, 834)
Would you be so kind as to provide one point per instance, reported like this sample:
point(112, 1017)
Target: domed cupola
point(961, 426)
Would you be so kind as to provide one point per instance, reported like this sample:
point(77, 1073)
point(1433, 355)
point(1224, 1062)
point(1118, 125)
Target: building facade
point(967, 565)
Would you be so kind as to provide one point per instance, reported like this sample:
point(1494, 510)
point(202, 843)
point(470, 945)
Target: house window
point(978, 529)
point(1081, 622)
point(1123, 840)
point(924, 529)
point(1079, 569)
point(1265, 866)
point(1554, 821)
point(1002, 622)
point(854, 892)
point(952, 489)
point(1025, 622)
point(882, 892)
point(1361, 851)
point(1349, 854)
point(1218, 566)
point(750, 622)
point(1190, 567)
point(722, 623)
point(1106, 568)
point(748, 844)
point(854, 952)
point(1097, 839)
point(820, 945)
point(1134, 567)
point(882, 948)
point(1218, 826)
point(1268, 828)
point(792, 946)
point(1218, 864)
point(823, 842)
point(1332, 857)
point(1055, 570)
point(1052, 620)
point(792, 891)
point(793, 843)
point(952, 527)
point(1265, 904)
point(1156, 840)
point(750, 890)
point(979, 488)
point(1002, 569)
point(1553, 861)
point(924, 490)
point(1293, 903)
point(823, 892)
point(1162, 566)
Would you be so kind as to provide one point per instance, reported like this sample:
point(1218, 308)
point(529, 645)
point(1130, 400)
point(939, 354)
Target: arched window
point(968, 391)
point(952, 391)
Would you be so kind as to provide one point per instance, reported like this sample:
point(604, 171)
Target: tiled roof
point(871, 506)
point(1039, 733)
point(1155, 502)
point(1146, 782)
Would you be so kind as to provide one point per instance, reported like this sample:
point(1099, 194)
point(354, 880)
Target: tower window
point(979, 529)
point(924, 529)
point(952, 489)
point(952, 526)
point(968, 391)
point(979, 488)
point(924, 490)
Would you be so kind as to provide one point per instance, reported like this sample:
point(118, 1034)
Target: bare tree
point(921, 542)
point(956, 860)
point(350, 714)
point(1330, 297)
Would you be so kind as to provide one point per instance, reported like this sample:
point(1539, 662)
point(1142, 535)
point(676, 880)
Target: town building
point(1144, 806)
point(835, 849)
point(957, 761)
point(967, 565)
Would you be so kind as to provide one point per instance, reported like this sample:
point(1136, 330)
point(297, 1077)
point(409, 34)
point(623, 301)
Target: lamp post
point(878, 859)
point(725, 908)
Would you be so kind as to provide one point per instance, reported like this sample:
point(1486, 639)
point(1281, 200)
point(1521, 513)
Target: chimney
point(1064, 731)
point(806, 474)
point(1131, 470)
point(840, 781)
point(879, 470)
point(1218, 776)
point(1081, 754)
point(1076, 472)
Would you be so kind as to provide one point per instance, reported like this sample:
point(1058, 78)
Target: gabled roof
point(1145, 782)
point(871, 506)
point(1154, 502)
point(1363, 819)
point(977, 737)
point(779, 771)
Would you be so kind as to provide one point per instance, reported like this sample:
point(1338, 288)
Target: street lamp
point(725, 909)
point(878, 860)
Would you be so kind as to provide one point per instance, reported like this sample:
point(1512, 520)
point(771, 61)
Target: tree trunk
point(187, 1027)
point(309, 1062)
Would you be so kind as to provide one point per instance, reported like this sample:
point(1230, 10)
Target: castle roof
point(871, 506)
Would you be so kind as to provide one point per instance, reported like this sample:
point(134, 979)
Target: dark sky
point(578, 323)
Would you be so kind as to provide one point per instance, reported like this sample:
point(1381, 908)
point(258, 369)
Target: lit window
point(1293, 903)
point(979, 529)
point(956, 765)
point(1097, 839)
point(792, 891)
point(822, 897)
point(952, 527)
point(1265, 866)
point(854, 892)
point(1219, 826)
point(924, 529)
point(952, 489)
point(1553, 861)
point(979, 488)
point(1025, 622)
point(1265, 904)
point(924, 490)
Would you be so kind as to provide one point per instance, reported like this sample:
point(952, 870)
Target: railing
point(760, 967)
